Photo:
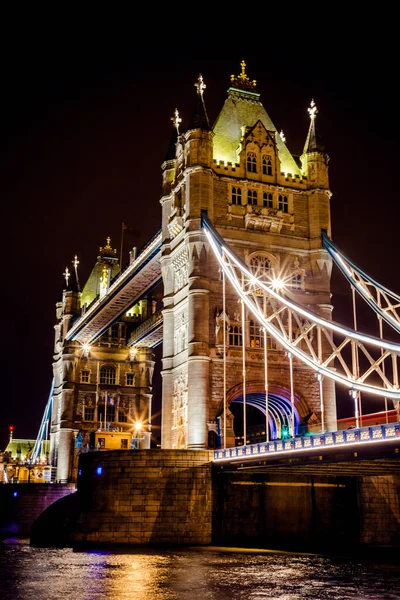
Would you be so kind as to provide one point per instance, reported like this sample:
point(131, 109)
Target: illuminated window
point(256, 335)
point(267, 199)
point(283, 203)
point(266, 164)
point(130, 379)
point(236, 195)
point(85, 376)
point(296, 281)
point(107, 375)
point(88, 413)
point(235, 336)
point(252, 197)
point(252, 162)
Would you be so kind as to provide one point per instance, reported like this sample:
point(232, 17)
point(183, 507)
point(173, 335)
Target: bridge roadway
point(365, 451)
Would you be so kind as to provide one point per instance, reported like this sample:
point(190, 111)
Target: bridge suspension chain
point(360, 362)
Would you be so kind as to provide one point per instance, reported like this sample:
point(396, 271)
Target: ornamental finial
point(67, 275)
point(176, 120)
point(75, 262)
point(282, 136)
point(313, 111)
point(200, 85)
point(242, 81)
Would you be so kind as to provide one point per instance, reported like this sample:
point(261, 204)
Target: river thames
point(199, 573)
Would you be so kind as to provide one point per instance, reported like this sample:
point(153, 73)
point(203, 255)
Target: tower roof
point(243, 108)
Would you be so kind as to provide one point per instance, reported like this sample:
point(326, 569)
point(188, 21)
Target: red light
point(11, 428)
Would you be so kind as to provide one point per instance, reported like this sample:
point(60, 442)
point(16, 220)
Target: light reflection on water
point(188, 574)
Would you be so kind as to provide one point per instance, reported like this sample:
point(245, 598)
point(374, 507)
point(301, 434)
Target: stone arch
point(279, 404)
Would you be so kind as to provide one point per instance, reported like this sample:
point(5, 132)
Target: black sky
point(85, 125)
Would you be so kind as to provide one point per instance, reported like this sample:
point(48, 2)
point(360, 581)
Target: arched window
point(236, 195)
point(260, 265)
point(108, 375)
point(267, 200)
point(235, 336)
point(266, 164)
point(283, 203)
point(252, 197)
point(252, 162)
point(256, 335)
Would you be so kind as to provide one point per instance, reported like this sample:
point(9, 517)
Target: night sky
point(85, 126)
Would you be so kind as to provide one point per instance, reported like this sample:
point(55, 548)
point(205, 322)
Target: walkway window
point(266, 164)
point(252, 162)
point(236, 195)
point(107, 375)
point(283, 203)
point(252, 197)
point(235, 336)
point(267, 199)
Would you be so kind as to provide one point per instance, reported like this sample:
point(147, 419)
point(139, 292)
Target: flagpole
point(105, 412)
point(120, 254)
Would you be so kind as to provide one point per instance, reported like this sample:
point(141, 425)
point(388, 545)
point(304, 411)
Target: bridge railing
point(372, 434)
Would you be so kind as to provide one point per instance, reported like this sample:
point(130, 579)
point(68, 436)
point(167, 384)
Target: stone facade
point(271, 208)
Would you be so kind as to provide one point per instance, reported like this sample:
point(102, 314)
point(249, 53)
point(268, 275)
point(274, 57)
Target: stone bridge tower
point(271, 207)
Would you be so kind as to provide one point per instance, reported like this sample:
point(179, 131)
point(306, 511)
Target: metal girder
point(384, 302)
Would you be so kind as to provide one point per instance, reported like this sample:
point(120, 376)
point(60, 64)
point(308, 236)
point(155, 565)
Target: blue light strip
point(347, 437)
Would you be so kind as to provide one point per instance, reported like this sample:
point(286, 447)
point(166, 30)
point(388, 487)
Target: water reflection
point(188, 574)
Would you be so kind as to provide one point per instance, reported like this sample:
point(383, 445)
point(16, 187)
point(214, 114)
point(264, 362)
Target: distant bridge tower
point(271, 208)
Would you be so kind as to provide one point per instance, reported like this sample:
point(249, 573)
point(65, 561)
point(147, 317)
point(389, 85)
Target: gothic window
point(181, 333)
point(88, 413)
point(252, 197)
point(267, 199)
point(260, 265)
point(235, 336)
point(85, 376)
point(256, 335)
point(296, 281)
point(107, 375)
point(283, 203)
point(266, 164)
point(115, 331)
point(252, 162)
point(130, 379)
point(236, 195)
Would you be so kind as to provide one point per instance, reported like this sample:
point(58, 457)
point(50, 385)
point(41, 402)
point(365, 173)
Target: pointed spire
point(313, 140)
point(176, 120)
point(71, 278)
point(200, 118)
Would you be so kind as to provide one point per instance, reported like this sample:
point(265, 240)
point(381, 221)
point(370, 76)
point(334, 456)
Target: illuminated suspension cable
point(391, 391)
point(244, 376)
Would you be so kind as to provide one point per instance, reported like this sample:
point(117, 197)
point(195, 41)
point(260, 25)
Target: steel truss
point(385, 303)
point(360, 362)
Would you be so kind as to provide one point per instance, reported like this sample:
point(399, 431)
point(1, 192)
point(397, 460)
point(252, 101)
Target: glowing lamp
point(138, 426)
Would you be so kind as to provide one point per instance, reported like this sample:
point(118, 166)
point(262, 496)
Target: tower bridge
point(236, 287)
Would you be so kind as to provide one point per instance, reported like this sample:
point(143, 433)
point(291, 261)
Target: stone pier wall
point(379, 501)
point(144, 497)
